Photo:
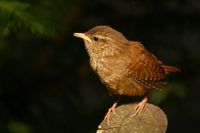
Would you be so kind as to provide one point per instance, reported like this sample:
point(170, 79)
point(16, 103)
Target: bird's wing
point(144, 68)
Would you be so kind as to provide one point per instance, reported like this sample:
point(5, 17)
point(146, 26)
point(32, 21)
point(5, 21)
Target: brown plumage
point(124, 66)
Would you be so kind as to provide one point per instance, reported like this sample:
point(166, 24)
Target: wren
point(124, 66)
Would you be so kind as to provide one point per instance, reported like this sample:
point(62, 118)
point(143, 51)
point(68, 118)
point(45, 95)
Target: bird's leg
point(110, 110)
point(138, 109)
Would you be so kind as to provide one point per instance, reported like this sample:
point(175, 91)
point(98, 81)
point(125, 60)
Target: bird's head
point(102, 40)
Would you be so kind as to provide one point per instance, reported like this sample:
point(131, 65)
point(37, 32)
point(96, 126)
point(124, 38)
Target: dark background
point(46, 83)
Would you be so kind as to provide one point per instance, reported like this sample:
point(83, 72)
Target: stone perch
point(151, 120)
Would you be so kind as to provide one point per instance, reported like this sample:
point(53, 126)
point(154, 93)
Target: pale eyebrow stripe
point(102, 37)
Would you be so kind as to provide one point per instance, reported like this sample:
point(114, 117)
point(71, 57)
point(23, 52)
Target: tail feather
point(169, 69)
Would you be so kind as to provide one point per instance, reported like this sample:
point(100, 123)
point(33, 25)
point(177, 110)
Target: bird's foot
point(138, 109)
point(110, 110)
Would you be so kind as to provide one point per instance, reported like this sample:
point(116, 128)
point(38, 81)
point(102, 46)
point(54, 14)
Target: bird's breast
point(109, 69)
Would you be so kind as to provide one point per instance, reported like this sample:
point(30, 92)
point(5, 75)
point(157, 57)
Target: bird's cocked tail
point(169, 69)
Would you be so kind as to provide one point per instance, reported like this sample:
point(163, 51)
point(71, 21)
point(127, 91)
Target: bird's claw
point(138, 109)
point(108, 114)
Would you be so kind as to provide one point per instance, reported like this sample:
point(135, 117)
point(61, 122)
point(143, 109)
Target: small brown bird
point(125, 67)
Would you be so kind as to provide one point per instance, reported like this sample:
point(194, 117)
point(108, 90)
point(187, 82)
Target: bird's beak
point(83, 36)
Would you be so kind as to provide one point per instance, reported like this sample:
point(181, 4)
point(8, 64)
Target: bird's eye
point(95, 39)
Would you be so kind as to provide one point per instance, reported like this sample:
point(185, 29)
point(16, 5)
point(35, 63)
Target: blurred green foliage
point(16, 15)
point(17, 127)
point(157, 96)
